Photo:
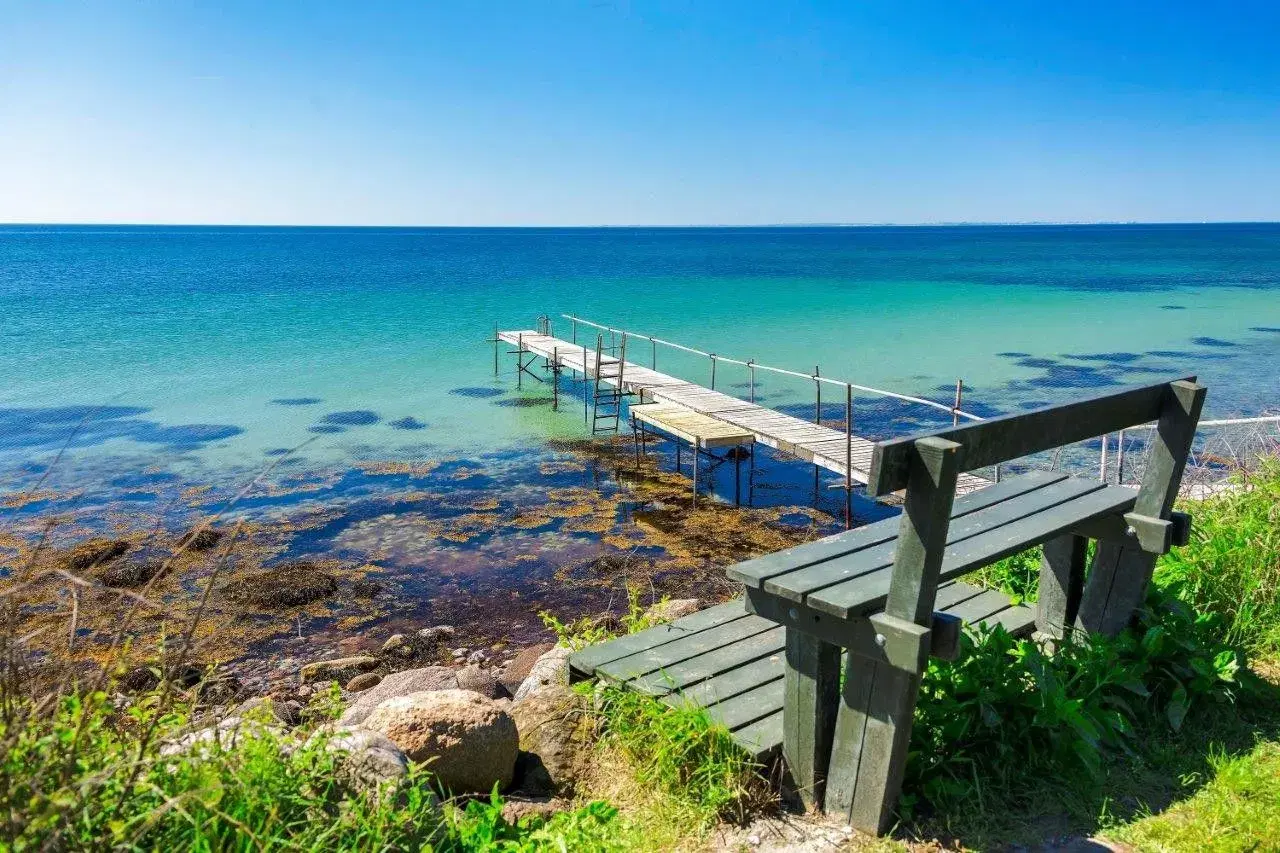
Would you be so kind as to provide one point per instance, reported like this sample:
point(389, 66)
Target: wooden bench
point(875, 592)
point(882, 598)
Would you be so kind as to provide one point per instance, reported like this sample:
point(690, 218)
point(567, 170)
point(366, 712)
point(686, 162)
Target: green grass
point(1238, 808)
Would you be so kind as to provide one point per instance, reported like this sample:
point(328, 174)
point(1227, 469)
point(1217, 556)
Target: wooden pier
point(834, 450)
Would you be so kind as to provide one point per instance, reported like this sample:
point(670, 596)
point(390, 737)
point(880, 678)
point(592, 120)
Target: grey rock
point(370, 762)
point(517, 669)
point(436, 634)
point(337, 669)
point(555, 726)
point(398, 684)
point(551, 668)
point(270, 710)
point(480, 680)
point(363, 681)
point(672, 609)
point(467, 742)
point(398, 644)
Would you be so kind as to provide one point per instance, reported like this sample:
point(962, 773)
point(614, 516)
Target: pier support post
point(848, 456)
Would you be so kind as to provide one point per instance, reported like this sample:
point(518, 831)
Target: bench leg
point(1117, 587)
point(811, 688)
point(1061, 584)
point(873, 731)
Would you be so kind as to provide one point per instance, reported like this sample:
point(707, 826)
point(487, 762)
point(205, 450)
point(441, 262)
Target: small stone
point(286, 585)
point(436, 634)
point(479, 680)
point(363, 681)
point(369, 761)
point(479, 656)
point(129, 573)
point(398, 644)
point(460, 652)
point(516, 809)
point(753, 840)
point(270, 710)
point(94, 552)
point(339, 669)
point(201, 539)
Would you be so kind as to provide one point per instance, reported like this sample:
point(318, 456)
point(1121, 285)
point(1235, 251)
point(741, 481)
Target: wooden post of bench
point(1061, 584)
point(1121, 570)
point(873, 726)
point(811, 685)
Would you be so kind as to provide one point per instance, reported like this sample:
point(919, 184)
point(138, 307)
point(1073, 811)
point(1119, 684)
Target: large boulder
point(467, 742)
point(551, 668)
point(555, 726)
point(515, 672)
point(398, 684)
point(337, 669)
point(671, 609)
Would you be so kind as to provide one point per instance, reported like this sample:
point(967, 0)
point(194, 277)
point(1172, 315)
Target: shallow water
point(164, 368)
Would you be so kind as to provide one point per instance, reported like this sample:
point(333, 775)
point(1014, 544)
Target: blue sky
point(545, 113)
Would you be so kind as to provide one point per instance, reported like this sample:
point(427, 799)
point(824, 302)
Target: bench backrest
point(996, 440)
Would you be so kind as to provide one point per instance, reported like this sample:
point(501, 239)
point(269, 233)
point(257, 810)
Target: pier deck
point(820, 445)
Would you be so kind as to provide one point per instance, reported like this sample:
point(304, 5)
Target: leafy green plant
point(589, 630)
point(480, 826)
point(1231, 566)
point(1008, 710)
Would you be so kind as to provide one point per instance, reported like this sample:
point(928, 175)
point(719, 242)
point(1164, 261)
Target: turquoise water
point(150, 373)
point(192, 336)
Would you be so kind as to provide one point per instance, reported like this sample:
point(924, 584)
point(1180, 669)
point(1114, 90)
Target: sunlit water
point(154, 359)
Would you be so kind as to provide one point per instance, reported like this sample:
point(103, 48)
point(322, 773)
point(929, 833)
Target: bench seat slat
point(761, 737)
point(585, 661)
point(796, 585)
point(669, 654)
point(728, 684)
point(866, 595)
point(748, 707)
point(754, 572)
point(704, 666)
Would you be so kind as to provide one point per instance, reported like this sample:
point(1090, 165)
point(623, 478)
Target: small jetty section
point(840, 451)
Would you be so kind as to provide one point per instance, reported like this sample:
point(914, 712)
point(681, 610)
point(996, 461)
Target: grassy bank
point(1160, 738)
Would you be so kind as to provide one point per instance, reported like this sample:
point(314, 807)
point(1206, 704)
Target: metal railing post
point(1120, 459)
point(1102, 462)
point(751, 366)
point(713, 371)
point(955, 409)
point(848, 456)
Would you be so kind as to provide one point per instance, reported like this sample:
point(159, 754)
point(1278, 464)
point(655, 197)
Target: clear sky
point(541, 113)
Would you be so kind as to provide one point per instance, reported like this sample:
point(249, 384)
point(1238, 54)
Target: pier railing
point(1223, 446)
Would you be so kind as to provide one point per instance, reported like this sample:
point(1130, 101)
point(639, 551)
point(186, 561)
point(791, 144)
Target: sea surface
point(151, 373)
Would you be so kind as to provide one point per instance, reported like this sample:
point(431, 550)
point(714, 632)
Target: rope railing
point(755, 365)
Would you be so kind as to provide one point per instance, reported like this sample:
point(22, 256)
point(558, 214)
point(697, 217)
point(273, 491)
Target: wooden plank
point(988, 603)
point(796, 585)
point(811, 685)
point(922, 537)
point(1061, 583)
point(586, 660)
point(747, 708)
point(667, 655)
point(701, 667)
point(1018, 619)
point(761, 737)
point(730, 683)
point(1013, 436)
point(753, 572)
point(867, 594)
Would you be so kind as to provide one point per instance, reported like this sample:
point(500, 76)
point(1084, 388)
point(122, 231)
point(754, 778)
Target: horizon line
point(937, 224)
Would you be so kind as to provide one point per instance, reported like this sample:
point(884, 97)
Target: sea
point(341, 386)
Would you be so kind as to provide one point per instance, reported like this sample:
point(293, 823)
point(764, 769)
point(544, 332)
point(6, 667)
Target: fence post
point(713, 371)
point(495, 350)
point(751, 366)
point(1102, 462)
point(955, 410)
point(555, 379)
point(1120, 459)
point(848, 456)
point(574, 323)
point(520, 360)
point(654, 356)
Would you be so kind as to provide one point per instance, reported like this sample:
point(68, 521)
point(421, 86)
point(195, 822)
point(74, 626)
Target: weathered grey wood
point(812, 682)
point(753, 572)
point(733, 682)
point(1000, 439)
point(698, 668)
point(584, 662)
point(884, 748)
point(798, 584)
point(978, 608)
point(744, 709)
point(851, 726)
point(1018, 619)
point(761, 737)
point(668, 655)
point(1061, 583)
point(1120, 574)
point(866, 594)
